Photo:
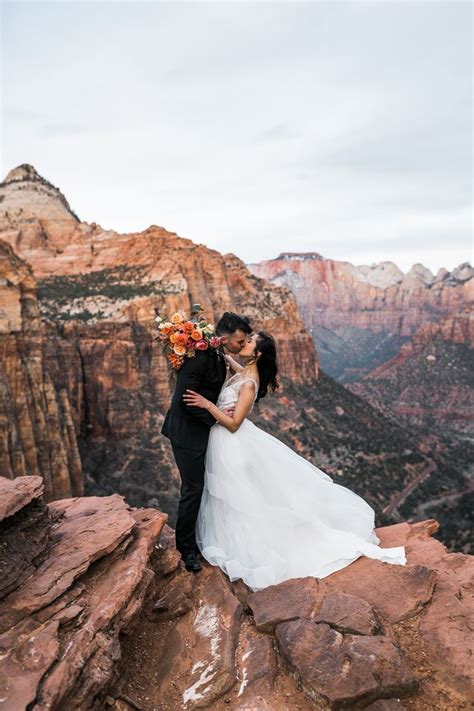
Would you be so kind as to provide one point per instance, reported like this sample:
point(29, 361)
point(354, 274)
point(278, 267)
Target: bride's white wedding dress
point(267, 514)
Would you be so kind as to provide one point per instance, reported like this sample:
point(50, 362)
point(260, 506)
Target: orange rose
point(181, 339)
point(176, 318)
point(196, 335)
point(188, 325)
point(180, 350)
point(173, 338)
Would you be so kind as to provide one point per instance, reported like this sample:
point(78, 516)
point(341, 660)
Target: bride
point(267, 514)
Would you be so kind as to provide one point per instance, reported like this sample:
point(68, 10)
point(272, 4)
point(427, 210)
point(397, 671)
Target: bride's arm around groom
point(230, 422)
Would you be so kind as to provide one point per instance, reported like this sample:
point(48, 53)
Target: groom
point(188, 427)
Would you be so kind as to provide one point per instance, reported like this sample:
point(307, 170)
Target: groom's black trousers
point(191, 468)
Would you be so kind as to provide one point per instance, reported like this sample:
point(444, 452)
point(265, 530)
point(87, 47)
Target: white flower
point(158, 319)
point(165, 324)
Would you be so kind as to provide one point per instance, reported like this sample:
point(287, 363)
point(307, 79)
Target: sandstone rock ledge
point(373, 636)
point(72, 576)
point(96, 614)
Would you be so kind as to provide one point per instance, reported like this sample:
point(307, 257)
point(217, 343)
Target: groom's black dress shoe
point(191, 562)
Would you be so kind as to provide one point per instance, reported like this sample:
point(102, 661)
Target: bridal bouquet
point(183, 337)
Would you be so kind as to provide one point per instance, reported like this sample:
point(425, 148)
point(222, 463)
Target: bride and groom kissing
point(249, 503)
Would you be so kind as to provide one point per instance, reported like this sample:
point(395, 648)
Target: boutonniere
point(182, 337)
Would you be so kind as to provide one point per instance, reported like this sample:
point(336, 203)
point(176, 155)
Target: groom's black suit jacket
point(189, 426)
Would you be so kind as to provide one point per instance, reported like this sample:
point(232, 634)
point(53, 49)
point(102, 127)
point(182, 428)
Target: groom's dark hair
point(229, 323)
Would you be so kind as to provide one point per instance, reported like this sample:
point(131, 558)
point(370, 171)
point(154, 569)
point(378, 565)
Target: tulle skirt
point(267, 514)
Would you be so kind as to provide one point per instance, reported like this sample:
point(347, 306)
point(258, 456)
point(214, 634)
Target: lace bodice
point(229, 394)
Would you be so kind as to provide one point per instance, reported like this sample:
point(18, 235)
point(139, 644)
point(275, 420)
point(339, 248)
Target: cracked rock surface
point(69, 598)
point(98, 612)
point(373, 635)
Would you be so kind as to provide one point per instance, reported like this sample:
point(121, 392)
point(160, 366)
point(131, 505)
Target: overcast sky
point(252, 127)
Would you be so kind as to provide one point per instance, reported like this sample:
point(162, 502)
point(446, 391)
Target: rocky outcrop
point(102, 614)
point(70, 593)
point(373, 635)
point(37, 436)
point(359, 316)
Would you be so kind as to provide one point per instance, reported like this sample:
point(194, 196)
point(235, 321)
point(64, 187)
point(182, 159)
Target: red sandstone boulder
point(298, 597)
point(396, 592)
point(89, 529)
point(211, 629)
point(347, 613)
point(339, 671)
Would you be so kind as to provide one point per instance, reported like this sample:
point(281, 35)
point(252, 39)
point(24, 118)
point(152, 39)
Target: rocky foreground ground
point(97, 612)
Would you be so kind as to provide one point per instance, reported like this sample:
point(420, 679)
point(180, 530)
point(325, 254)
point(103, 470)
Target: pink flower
point(215, 342)
point(201, 345)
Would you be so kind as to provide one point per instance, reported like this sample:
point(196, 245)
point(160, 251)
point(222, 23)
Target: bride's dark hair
point(267, 364)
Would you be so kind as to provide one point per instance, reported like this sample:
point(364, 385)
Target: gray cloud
point(252, 127)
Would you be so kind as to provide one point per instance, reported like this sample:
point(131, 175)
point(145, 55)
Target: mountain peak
point(25, 191)
point(25, 171)
point(379, 274)
point(463, 272)
point(421, 273)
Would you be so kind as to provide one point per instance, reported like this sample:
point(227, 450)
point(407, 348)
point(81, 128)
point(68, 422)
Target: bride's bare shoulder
point(250, 384)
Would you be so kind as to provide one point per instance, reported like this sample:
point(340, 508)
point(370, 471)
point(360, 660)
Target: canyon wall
point(37, 432)
point(96, 275)
point(359, 316)
point(429, 383)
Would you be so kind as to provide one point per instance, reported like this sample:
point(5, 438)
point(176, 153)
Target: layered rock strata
point(359, 316)
point(38, 431)
point(74, 574)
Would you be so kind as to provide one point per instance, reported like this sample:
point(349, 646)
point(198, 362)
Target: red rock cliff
point(155, 268)
point(37, 434)
point(354, 310)
point(333, 293)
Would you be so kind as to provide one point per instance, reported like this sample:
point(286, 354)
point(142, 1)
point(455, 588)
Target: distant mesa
point(300, 256)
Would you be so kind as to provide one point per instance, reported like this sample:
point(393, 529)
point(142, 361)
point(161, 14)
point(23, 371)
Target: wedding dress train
point(267, 514)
